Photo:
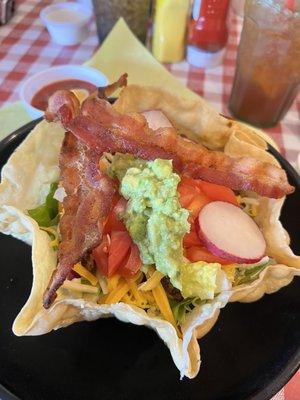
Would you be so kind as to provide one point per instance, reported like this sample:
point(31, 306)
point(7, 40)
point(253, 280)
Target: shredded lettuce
point(246, 275)
point(47, 213)
point(182, 308)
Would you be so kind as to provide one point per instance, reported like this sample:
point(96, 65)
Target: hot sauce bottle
point(207, 33)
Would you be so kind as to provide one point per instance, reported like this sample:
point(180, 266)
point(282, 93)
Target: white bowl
point(36, 82)
point(88, 3)
point(67, 23)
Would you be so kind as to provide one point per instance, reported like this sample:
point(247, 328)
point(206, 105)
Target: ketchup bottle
point(207, 33)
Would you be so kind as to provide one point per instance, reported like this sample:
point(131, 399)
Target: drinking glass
point(135, 12)
point(268, 64)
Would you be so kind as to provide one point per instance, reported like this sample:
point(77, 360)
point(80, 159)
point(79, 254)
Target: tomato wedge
point(195, 254)
point(113, 222)
point(210, 190)
point(191, 238)
point(133, 263)
point(119, 250)
point(186, 194)
point(218, 192)
point(191, 197)
point(193, 183)
point(198, 202)
point(100, 255)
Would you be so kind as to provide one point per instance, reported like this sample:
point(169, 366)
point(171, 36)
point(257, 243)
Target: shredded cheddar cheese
point(79, 287)
point(116, 295)
point(82, 271)
point(127, 290)
point(151, 282)
point(162, 301)
point(230, 271)
point(128, 299)
point(112, 282)
point(139, 299)
point(102, 282)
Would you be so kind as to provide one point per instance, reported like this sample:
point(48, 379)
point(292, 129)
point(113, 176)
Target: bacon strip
point(87, 204)
point(104, 139)
point(104, 128)
point(103, 93)
point(130, 133)
point(63, 106)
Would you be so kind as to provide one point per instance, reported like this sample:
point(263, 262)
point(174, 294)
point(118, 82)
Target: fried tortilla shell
point(25, 182)
point(194, 118)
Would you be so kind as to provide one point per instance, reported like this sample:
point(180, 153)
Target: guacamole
point(157, 223)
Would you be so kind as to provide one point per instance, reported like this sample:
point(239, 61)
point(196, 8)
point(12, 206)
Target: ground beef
point(171, 290)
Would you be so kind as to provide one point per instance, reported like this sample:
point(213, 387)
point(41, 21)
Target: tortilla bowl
point(25, 181)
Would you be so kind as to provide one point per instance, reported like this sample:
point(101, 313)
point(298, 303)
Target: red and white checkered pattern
point(26, 48)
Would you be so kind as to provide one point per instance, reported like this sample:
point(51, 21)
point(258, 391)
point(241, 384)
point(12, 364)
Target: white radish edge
point(222, 252)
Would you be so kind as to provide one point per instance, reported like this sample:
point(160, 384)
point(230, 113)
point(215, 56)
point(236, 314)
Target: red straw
point(290, 5)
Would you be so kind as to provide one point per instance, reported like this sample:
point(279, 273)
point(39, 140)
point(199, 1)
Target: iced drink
point(268, 66)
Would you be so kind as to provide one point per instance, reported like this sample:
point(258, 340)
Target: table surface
point(26, 48)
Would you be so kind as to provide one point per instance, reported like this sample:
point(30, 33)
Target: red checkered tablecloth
point(26, 48)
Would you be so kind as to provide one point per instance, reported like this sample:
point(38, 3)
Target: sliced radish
point(156, 119)
point(229, 233)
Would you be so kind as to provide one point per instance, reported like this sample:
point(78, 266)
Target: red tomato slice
point(118, 250)
point(191, 238)
point(193, 183)
point(211, 190)
point(218, 192)
point(133, 263)
point(191, 197)
point(195, 254)
point(113, 222)
point(198, 202)
point(100, 255)
point(185, 199)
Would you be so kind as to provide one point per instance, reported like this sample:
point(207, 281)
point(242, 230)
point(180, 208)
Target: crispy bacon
point(112, 140)
point(104, 92)
point(63, 106)
point(87, 204)
point(102, 127)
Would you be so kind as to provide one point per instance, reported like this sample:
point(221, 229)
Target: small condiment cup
point(67, 23)
point(60, 73)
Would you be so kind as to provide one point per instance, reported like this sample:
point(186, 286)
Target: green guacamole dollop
point(157, 223)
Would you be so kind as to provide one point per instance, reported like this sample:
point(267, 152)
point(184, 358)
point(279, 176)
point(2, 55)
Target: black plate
point(252, 351)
